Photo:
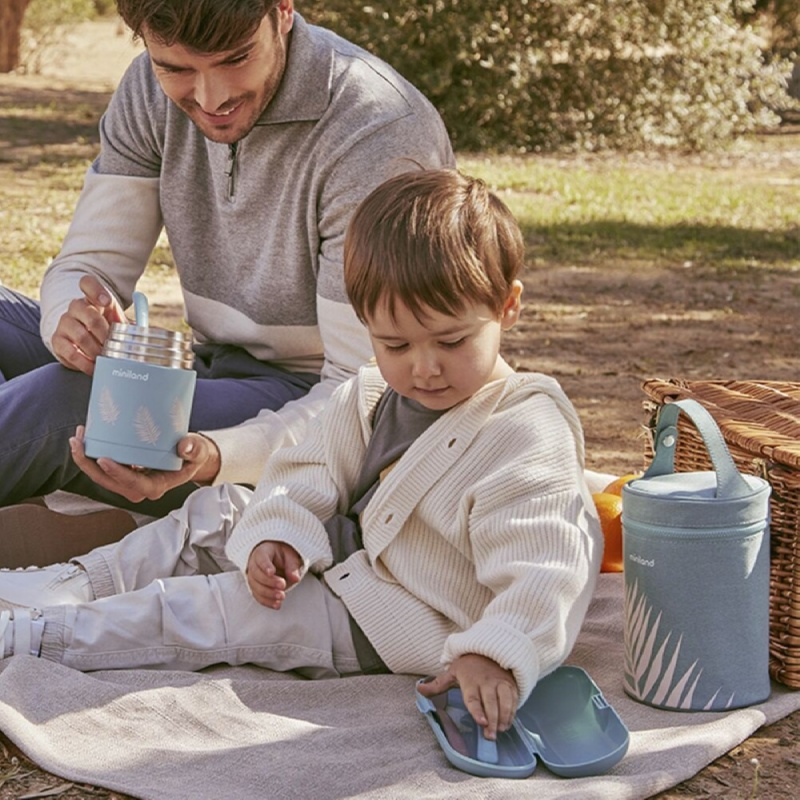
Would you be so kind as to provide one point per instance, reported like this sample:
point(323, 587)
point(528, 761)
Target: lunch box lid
point(566, 723)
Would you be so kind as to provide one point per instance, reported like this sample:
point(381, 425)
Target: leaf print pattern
point(146, 429)
point(179, 416)
point(109, 411)
point(650, 667)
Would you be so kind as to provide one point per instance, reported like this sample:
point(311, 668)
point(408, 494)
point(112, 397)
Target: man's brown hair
point(206, 26)
point(431, 238)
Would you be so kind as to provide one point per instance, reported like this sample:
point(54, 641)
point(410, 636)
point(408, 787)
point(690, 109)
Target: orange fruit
point(609, 509)
point(615, 487)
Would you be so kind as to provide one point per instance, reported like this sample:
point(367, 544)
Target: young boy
point(434, 520)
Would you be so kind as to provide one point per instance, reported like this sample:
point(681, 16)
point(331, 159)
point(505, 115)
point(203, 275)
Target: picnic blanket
point(249, 733)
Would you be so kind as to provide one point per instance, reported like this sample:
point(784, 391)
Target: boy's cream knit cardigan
point(482, 539)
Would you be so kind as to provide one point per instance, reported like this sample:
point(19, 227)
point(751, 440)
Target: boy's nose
point(426, 365)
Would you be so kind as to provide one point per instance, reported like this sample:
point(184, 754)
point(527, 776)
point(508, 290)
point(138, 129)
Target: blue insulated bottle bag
point(696, 554)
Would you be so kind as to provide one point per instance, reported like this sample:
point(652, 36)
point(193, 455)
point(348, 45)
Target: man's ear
point(512, 307)
point(285, 16)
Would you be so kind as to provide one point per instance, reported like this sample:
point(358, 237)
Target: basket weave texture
point(760, 421)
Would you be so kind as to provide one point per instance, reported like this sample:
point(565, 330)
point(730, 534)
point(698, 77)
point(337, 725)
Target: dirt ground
point(601, 332)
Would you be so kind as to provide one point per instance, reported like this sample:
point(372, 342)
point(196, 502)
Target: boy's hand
point(273, 567)
point(489, 691)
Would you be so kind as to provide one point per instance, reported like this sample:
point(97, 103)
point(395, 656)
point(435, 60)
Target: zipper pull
point(231, 173)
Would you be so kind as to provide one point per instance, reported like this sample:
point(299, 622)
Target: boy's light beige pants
point(169, 598)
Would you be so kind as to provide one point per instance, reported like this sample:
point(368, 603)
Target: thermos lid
point(147, 343)
point(149, 334)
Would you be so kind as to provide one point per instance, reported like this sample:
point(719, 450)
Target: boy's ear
point(512, 307)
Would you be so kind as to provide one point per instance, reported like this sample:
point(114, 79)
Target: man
point(250, 136)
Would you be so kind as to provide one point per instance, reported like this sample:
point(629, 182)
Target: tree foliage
point(544, 74)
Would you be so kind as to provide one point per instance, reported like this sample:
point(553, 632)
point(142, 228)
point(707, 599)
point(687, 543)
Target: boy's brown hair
point(206, 26)
point(431, 238)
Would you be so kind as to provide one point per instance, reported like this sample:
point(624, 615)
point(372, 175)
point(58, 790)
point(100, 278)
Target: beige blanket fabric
point(246, 733)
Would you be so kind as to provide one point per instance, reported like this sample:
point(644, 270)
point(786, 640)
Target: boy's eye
point(395, 348)
point(237, 60)
point(456, 343)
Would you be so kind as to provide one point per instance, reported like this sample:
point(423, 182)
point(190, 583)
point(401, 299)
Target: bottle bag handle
point(730, 483)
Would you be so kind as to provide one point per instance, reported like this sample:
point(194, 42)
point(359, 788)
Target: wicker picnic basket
point(760, 421)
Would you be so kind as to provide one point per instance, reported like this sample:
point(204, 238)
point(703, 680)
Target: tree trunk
point(11, 14)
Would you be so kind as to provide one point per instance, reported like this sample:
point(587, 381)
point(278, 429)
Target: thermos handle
point(141, 309)
point(730, 482)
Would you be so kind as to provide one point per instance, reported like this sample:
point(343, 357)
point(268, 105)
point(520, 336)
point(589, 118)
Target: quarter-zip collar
point(306, 99)
point(306, 87)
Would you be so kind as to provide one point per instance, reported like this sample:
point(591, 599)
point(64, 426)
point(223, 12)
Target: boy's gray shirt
point(259, 257)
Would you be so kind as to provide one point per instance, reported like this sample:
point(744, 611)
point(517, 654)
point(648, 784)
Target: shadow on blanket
point(246, 733)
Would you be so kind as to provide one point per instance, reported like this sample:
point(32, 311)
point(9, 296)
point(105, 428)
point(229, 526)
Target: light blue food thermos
point(142, 393)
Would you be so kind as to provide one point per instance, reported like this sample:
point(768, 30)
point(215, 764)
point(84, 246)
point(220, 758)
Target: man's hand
point(201, 463)
point(273, 568)
point(489, 691)
point(83, 329)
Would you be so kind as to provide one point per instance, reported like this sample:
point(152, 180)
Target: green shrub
point(548, 74)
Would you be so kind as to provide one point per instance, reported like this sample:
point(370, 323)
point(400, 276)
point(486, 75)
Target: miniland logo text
point(644, 562)
point(130, 374)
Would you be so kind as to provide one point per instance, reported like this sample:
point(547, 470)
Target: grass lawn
point(736, 210)
point(733, 210)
